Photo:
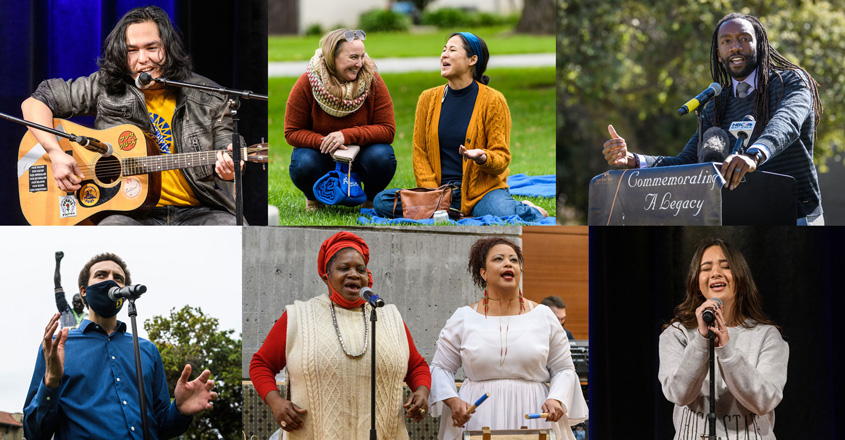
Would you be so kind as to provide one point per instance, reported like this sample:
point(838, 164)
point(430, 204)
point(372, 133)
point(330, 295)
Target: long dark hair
point(114, 71)
point(748, 303)
point(768, 60)
point(480, 67)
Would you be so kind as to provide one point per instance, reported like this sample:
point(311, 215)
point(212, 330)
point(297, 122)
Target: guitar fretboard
point(151, 164)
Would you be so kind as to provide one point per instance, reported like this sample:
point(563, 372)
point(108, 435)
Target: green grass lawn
point(530, 93)
point(500, 40)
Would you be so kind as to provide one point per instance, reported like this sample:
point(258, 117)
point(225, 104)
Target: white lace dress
point(512, 358)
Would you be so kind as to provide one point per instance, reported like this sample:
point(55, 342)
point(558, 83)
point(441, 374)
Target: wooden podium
point(690, 195)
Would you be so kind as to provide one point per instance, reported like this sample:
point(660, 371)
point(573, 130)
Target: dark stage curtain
point(637, 277)
point(43, 39)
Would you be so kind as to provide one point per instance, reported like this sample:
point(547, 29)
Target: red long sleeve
point(418, 371)
point(270, 359)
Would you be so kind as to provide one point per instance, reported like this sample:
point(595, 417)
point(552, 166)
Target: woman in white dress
point(509, 347)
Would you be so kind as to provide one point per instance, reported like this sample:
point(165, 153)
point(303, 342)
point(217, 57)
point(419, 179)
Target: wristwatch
point(757, 156)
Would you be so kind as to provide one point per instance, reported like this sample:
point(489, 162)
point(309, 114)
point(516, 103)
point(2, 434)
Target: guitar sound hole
point(107, 169)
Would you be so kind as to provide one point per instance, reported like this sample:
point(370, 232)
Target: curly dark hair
point(770, 61)
point(85, 273)
point(749, 304)
point(479, 68)
point(478, 257)
point(114, 71)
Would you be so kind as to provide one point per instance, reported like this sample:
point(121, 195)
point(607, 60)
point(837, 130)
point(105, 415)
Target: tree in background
point(535, 17)
point(633, 65)
point(188, 336)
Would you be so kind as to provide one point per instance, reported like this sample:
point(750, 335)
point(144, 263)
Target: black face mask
point(97, 296)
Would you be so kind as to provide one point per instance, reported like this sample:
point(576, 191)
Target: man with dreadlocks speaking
point(756, 80)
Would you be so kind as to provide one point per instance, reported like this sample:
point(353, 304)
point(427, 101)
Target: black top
point(455, 114)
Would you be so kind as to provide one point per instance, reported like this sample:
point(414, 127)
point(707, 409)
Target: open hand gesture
point(476, 155)
point(196, 395)
point(54, 352)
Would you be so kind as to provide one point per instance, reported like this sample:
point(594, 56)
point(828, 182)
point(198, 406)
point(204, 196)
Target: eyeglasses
point(350, 35)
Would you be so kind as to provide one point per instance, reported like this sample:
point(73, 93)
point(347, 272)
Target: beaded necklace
point(503, 346)
point(337, 330)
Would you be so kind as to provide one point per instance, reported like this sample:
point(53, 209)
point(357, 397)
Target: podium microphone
point(709, 315)
point(701, 99)
point(144, 81)
point(742, 130)
point(369, 296)
point(714, 145)
point(129, 292)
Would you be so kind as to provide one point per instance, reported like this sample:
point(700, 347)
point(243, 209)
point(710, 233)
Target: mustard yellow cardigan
point(489, 129)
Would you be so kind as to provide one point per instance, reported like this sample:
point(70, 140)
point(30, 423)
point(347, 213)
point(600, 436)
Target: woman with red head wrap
point(324, 342)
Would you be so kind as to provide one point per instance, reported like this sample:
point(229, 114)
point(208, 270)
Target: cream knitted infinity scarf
point(335, 97)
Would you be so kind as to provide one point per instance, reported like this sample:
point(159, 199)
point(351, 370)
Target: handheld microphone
point(144, 81)
point(742, 130)
point(714, 145)
point(709, 315)
point(129, 292)
point(369, 296)
point(701, 99)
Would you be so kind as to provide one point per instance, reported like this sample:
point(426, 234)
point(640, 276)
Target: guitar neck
point(153, 164)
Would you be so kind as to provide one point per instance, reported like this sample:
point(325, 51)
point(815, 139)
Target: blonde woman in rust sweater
point(462, 137)
point(340, 100)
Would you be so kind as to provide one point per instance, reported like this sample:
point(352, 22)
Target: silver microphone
point(709, 315)
point(144, 81)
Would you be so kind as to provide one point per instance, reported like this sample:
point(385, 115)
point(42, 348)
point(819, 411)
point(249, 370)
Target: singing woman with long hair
point(751, 356)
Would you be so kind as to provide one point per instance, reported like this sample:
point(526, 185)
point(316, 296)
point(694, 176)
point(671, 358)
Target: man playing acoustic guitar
point(180, 120)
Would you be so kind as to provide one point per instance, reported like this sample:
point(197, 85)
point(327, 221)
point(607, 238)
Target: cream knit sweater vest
point(335, 388)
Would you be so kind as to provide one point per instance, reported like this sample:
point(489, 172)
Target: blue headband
point(475, 45)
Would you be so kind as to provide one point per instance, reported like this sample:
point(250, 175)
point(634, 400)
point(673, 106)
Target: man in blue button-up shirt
point(84, 383)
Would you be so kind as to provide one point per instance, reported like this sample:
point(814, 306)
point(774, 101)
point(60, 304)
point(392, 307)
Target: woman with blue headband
point(462, 138)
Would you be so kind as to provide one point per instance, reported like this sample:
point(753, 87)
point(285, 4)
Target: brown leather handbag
point(420, 203)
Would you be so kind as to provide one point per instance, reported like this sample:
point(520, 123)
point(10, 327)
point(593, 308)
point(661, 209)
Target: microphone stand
point(711, 415)
point(234, 103)
point(89, 143)
point(142, 398)
point(373, 319)
point(698, 122)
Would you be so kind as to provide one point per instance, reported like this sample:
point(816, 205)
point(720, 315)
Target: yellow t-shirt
point(175, 190)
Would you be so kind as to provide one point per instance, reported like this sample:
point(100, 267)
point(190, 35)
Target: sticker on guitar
point(127, 140)
point(89, 195)
point(131, 187)
point(67, 206)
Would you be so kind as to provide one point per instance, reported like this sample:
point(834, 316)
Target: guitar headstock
point(257, 153)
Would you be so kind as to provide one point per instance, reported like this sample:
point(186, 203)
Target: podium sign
point(677, 195)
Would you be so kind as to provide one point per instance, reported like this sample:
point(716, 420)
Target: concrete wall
point(420, 270)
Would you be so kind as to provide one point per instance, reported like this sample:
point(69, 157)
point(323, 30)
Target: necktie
point(742, 89)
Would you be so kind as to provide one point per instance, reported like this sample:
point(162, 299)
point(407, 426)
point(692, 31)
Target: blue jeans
point(498, 203)
point(173, 215)
point(375, 164)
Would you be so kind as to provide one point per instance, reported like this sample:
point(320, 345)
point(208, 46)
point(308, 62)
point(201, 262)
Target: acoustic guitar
point(127, 180)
